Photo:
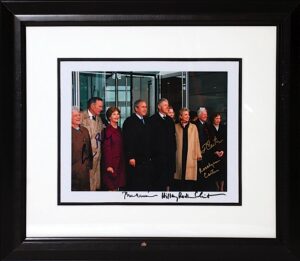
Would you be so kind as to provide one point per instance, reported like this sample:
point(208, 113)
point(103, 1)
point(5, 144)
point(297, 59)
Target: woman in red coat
point(113, 158)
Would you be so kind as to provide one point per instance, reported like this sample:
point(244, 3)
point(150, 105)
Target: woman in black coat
point(219, 134)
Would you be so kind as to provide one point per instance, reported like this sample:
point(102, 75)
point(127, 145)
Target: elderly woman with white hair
point(82, 157)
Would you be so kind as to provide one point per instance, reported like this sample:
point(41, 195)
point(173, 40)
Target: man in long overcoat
point(91, 120)
point(136, 133)
point(163, 147)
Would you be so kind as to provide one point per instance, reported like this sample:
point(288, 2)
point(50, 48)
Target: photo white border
point(255, 218)
point(233, 79)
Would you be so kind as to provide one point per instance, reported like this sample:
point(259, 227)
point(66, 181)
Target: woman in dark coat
point(113, 158)
point(219, 135)
point(82, 156)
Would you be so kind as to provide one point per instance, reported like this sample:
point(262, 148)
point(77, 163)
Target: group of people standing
point(149, 153)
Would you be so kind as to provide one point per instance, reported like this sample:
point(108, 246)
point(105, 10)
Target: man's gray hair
point(160, 101)
point(75, 108)
point(200, 110)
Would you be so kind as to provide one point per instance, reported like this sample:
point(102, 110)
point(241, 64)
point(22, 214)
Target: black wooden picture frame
point(16, 15)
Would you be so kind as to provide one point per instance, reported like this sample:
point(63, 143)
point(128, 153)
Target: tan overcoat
point(193, 153)
point(95, 128)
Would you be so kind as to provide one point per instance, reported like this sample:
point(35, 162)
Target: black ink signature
point(185, 195)
point(85, 152)
point(98, 139)
point(137, 195)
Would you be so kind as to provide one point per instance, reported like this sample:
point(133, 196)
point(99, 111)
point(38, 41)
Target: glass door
point(123, 95)
point(174, 88)
point(143, 87)
point(118, 89)
point(118, 93)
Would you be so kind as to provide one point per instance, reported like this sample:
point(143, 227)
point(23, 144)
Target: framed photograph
point(186, 84)
point(150, 130)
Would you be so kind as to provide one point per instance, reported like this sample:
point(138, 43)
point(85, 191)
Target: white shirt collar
point(217, 127)
point(90, 114)
point(140, 117)
point(162, 115)
point(184, 124)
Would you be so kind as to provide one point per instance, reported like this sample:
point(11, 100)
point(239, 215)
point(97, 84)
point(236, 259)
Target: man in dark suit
point(163, 144)
point(205, 181)
point(202, 126)
point(136, 137)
